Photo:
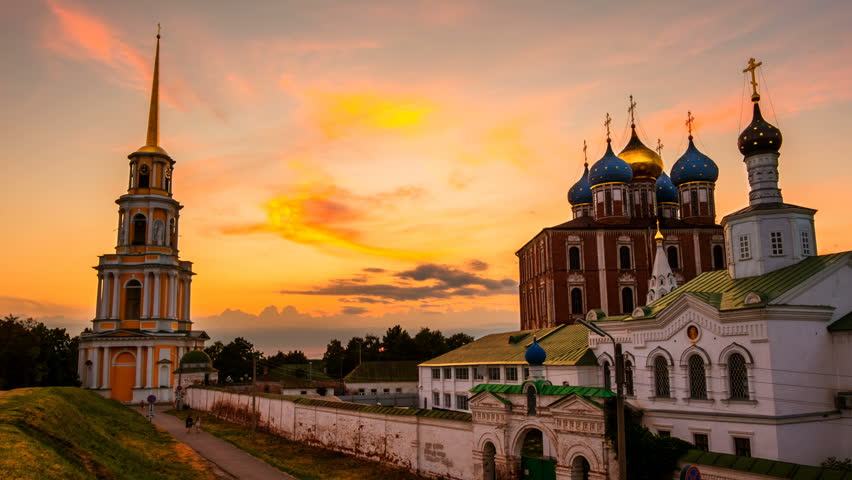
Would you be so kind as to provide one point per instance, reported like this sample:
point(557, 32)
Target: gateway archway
point(123, 376)
point(538, 460)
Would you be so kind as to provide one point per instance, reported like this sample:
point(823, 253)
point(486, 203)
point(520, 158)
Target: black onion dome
point(759, 136)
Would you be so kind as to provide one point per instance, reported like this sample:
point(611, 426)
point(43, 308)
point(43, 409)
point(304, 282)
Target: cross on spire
point(607, 122)
point(659, 147)
point(752, 67)
point(689, 121)
point(632, 110)
point(585, 156)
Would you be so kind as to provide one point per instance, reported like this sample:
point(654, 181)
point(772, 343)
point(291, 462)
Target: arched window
point(661, 377)
point(624, 258)
point(697, 378)
point(531, 399)
point(132, 300)
point(607, 376)
point(694, 195)
point(671, 251)
point(574, 258)
point(576, 301)
point(173, 233)
point(608, 203)
point(718, 257)
point(626, 300)
point(580, 469)
point(140, 229)
point(144, 176)
point(628, 377)
point(167, 179)
point(737, 377)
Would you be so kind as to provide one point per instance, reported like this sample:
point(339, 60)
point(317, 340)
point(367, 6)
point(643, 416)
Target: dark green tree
point(429, 343)
point(334, 357)
point(234, 361)
point(32, 355)
point(398, 345)
point(457, 340)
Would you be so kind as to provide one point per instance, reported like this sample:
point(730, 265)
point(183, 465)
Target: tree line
point(32, 355)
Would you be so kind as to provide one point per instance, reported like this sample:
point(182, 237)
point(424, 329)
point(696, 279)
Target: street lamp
point(619, 397)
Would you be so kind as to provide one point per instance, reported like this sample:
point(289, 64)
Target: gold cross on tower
point(607, 122)
point(689, 120)
point(752, 67)
point(585, 157)
point(659, 147)
point(632, 110)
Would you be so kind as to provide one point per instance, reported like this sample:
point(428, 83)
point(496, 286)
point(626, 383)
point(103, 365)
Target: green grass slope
point(70, 433)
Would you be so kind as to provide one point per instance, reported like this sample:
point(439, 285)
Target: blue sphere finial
point(535, 355)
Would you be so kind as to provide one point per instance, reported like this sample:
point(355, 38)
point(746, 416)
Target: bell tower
point(142, 312)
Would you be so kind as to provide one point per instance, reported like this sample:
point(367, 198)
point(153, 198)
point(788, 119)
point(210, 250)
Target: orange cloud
point(325, 216)
point(343, 113)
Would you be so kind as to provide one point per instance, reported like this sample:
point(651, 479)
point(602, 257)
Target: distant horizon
point(345, 169)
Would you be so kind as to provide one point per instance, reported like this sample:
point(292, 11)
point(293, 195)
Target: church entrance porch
point(123, 377)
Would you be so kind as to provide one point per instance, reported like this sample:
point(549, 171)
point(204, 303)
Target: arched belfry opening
point(140, 229)
point(132, 300)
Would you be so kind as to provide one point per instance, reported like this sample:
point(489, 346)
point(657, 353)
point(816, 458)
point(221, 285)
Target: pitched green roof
point(565, 345)
point(772, 468)
point(842, 324)
point(718, 289)
point(545, 389)
point(397, 371)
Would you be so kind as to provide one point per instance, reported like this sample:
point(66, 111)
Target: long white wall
point(428, 446)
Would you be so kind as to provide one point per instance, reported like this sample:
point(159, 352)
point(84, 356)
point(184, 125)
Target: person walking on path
point(198, 424)
point(189, 424)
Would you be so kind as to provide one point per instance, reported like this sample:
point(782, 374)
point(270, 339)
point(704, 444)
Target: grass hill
point(70, 433)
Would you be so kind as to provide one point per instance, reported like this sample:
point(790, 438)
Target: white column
point(81, 365)
point(94, 380)
point(105, 383)
point(138, 367)
point(116, 288)
point(150, 373)
point(100, 296)
point(186, 290)
point(157, 294)
point(146, 294)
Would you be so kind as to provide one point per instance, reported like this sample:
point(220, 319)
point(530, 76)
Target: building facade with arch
point(142, 324)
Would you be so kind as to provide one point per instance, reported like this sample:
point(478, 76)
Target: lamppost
point(619, 397)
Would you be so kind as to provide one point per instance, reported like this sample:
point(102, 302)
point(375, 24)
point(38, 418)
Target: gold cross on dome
point(607, 122)
point(659, 147)
point(632, 110)
point(585, 157)
point(689, 121)
point(752, 66)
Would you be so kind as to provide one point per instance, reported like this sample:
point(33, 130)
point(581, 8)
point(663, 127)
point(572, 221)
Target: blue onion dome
point(535, 355)
point(694, 166)
point(645, 162)
point(581, 192)
point(666, 191)
point(759, 136)
point(610, 169)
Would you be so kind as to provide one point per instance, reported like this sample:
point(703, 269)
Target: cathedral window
point(627, 300)
point(745, 247)
point(140, 229)
point(132, 300)
point(608, 203)
point(806, 244)
point(661, 377)
point(718, 257)
point(173, 233)
point(697, 378)
point(144, 176)
point(671, 252)
point(531, 400)
point(624, 258)
point(694, 202)
point(776, 243)
point(576, 301)
point(574, 258)
point(737, 377)
point(628, 377)
point(607, 376)
point(644, 206)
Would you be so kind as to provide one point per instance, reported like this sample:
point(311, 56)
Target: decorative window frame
point(629, 245)
point(579, 247)
point(571, 287)
point(723, 374)
point(776, 243)
point(649, 365)
point(744, 253)
point(621, 287)
point(684, 365)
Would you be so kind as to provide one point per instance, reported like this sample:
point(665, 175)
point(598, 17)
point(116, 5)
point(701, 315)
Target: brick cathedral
point(603, 258)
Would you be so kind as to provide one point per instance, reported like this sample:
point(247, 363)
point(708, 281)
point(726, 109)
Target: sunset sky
point(347, 166)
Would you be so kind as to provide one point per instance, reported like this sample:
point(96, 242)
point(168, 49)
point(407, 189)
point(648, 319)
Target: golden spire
point(689, 121)
point(659, 236)
point(154, 113)
point(585, 155)
point(607, 122)
point(632, 110)
point(752, 66)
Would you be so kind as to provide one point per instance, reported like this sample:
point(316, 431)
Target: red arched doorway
point(123, 376)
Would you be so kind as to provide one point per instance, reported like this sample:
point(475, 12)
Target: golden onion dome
point(151, 149)
point(645, 162)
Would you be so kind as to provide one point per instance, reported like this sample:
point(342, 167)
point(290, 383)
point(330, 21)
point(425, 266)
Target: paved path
point(233, 461)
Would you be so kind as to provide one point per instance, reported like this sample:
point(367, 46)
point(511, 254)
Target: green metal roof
point(564, 344)
point(545, 389)
point(772, 468)
point(718, 289)
point(394, 371)
point(842, 324)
